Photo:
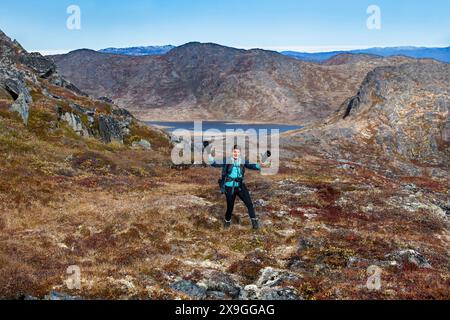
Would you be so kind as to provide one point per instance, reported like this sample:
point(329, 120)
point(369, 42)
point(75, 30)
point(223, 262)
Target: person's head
point(236, 152)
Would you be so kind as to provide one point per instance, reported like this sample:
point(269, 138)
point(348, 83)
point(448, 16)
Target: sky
point(299, 25)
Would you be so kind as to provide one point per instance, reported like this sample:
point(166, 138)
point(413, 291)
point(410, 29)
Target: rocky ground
point(156, 233)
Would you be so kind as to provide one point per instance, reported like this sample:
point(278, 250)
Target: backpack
point(226, 171)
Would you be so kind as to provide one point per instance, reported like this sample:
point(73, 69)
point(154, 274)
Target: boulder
point(270, 277)
point(278, 294)
point(214, 285)
point(74, 121)
point(21, 107)
point(270, 286)
point(124, 118)
point(143, 144)
point(189, 288)
point(110, 129)
point(260, 203)
point(16, 87)
point(411, 256)
point(250, 292)
point(221, 284)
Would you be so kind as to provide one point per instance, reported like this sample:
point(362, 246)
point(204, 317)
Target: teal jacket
point(236, 171)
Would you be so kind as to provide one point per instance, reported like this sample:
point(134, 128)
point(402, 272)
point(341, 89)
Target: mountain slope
point(398, 121)
point(212, 82)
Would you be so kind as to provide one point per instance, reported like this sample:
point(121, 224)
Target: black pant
point(244, 195)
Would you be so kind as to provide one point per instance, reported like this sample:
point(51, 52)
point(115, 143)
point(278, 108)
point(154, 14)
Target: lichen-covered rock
point(143, 144)
point(250, 292)
point(12, 81)
point(189, 288)
point(411, 256)
point(271, 286)
point(21, 107)
point(278, 294)
point(260, 203)
point(271, 277)
point(110, 129)
point(15, 85)
point(219, 282)
point(74, 121)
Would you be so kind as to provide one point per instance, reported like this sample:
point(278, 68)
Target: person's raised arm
point(256, 166)
point(253, 166)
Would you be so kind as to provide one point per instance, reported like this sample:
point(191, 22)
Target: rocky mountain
point(139, 51)
point(440, 54)
point(398, 121)
point(29, 80)
point(212, 82)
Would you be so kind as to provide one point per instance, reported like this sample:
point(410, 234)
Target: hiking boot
point(255, 224)
point(226, 224)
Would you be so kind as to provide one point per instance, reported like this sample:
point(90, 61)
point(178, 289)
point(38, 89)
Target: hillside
point(399, 120)
point(212, 82)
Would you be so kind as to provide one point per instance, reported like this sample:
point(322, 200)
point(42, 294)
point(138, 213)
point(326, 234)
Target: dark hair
point(236, 147)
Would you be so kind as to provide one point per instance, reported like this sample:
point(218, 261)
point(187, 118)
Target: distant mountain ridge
point(139, 51)
point(440, 54)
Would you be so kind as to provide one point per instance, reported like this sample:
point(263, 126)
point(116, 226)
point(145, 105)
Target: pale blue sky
point(272, 24)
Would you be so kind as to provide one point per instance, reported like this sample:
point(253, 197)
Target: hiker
point(232, 184)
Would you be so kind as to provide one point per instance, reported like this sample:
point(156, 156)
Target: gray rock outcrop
point(110, 129)
point(270, 286)
point(143, 144)
point(21, 107)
